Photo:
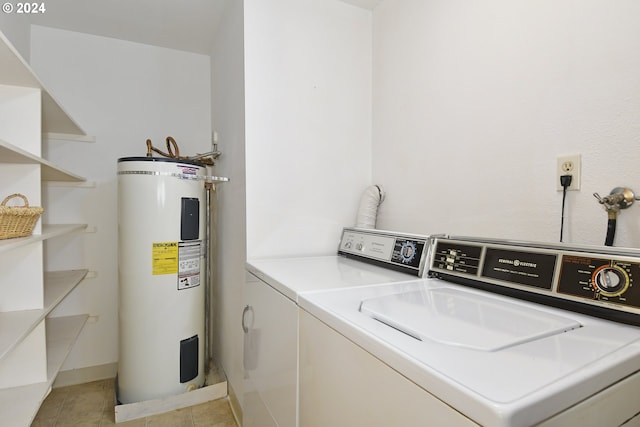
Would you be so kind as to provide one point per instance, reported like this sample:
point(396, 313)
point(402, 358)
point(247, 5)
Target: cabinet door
point(270, 324)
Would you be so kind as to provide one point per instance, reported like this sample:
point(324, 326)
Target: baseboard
point(85, 375)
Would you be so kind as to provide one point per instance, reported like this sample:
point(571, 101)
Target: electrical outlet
point(569, 165)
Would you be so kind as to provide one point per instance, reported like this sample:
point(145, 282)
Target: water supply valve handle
point(619, 198)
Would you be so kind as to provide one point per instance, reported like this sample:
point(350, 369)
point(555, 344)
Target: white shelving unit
point(33, 345)
point(50, 172)
point(15, 326)
point(49, 231)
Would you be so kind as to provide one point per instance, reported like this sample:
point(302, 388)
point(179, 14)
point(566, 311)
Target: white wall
point(292, 110)
point(122, 93)
point(17, 29)
point(308, 123)
point(473, 102)
point(227, 99)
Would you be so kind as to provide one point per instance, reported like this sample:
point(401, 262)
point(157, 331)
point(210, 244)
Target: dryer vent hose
point(372, 197)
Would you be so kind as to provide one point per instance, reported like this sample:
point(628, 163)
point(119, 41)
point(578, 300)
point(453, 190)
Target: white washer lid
point(455, 317)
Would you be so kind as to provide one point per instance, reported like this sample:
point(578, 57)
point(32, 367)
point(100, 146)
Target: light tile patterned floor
point(91, 405)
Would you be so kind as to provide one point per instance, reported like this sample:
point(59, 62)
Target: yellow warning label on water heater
point(164, 258)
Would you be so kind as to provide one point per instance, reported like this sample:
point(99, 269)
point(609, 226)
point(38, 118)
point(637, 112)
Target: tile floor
point(91, 405)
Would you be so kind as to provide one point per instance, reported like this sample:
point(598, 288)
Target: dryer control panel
point(594, 280)
point(397, 251)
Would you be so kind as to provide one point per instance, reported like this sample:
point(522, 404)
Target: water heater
point(161, 231)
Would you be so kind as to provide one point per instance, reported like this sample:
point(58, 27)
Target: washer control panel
point(397, 251)
point(601, 279)
point(605, 278)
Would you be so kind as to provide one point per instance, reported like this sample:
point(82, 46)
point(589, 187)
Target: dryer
point(270, 317)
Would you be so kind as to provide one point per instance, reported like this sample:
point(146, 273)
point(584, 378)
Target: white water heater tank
point(161, 230)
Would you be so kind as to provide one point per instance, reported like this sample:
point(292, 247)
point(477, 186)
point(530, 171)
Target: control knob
point(407, 252)
point(611, 280)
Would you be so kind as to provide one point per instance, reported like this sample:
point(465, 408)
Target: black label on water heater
point(188, 359)
point(190, 219)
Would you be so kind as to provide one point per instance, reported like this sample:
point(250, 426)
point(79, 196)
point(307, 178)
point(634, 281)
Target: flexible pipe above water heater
point(371, 199)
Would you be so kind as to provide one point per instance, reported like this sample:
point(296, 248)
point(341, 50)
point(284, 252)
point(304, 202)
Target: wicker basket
point(17, 221)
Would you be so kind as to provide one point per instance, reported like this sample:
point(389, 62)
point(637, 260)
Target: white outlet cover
point(576, 160)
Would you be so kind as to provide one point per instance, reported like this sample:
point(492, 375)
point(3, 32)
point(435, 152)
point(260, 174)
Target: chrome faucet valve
point(619, 198)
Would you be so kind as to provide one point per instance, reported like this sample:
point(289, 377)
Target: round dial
point(611, 280)
point(407, 252)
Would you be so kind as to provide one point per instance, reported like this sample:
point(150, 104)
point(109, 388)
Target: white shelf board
point(16, 72)
point(15, 326)
point(49, 231)
point(52, 136)
point(85, 184)
point(9, 153)
point(19, 405)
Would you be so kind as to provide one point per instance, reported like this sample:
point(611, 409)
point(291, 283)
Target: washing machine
point(364, 257)
point(500, 333)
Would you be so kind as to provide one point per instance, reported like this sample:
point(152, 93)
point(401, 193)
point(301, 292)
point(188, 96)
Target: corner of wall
point(18, 31)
